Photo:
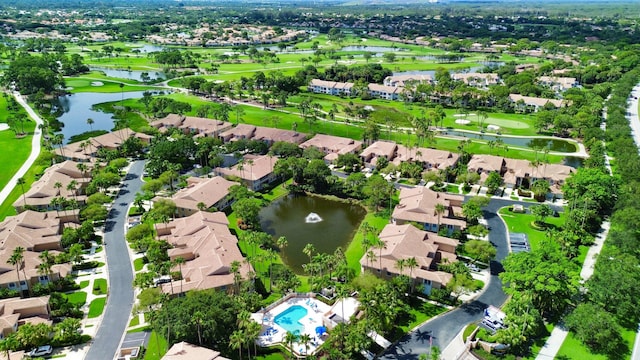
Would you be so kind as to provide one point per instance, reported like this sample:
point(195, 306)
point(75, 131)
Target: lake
point(79, 107)
point(128, 74)
point(287, 217)
point(558, 145)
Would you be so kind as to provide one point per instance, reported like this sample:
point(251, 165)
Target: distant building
point(384, 92)
point(333, 146)
point(533, 104)
point(197, 126)
point(477, 80)
point(330, 87)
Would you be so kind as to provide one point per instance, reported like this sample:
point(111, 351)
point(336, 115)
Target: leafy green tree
point(494, 182)
point(378, 191)
point(67, 331)
point(248, 210)
point(472, 209)
point(541, 213)
point(597, 329)
point(480, 250)
point(546, 275)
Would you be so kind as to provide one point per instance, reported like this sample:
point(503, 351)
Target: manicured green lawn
point(521, 223)
point(96, 307)
point(156, 347)
point(84, 284)
point(135, 321)
point(90, 83)
point(15, 151)
point(7, 209)
point(99, 286)
point(573, 349)
point(420, 314)
point(138, 264)
point(77, 297)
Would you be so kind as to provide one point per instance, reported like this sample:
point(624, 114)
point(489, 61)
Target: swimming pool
point(290, 319)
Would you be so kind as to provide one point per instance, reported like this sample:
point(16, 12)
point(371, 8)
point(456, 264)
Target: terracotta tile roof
point(262, 167)
point(205, 242)
point(208, 191)
point(419, 204)
point(486, 163)
point(536, 101)
point(185, 351)
point(333, 144)
point(43, 190)
point(406, 241)
point(380, 149)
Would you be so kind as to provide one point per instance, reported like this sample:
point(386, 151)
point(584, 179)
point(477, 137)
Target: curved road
point(120, 296)
point(35, 149)
point(443, 329)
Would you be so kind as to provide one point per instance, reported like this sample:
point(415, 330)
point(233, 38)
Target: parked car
point(41, 351)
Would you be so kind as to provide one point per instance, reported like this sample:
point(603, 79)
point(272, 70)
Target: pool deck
point(272, 334)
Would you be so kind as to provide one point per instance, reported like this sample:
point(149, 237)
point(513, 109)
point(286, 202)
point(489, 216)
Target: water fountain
point(312, 218)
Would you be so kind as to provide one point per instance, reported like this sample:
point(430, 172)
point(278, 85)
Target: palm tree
point(71, 187)
point(16, 260)
point(305, 339)
point(308, 250)
point(198, 318)
point(46, 265)
point(58, 186)
point(371, 257)
point(179, 261)
point(400, 263)
point(282, 242)
point(411, 263)
point(289, 339)
point(90, 122)
point(440, 209)
point(380, 245)
point(21, 181)
point(269, 256)
point(18, 253)
point(236, 340)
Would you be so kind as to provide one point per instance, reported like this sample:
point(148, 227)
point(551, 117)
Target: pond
point(375, 49)
point(558, 145)
point(147, 48)
point(129, 74)
point(79, 107)
point(289, 217)
point(432, 73)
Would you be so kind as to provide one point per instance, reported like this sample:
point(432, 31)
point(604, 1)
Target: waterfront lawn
point(419, 312)
point(96, 307)
point(521, 223)
point(109, 85)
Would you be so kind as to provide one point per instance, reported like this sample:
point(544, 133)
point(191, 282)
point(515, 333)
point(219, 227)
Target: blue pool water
point(290, 319)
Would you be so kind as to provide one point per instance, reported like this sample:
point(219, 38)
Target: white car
point(41, 351)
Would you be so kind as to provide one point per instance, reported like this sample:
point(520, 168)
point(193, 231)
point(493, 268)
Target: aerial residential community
point(447, 179)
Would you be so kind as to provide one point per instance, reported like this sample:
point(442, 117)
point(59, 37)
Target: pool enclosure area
point(301, 314)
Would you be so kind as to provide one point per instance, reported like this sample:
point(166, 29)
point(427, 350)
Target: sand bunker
point(4, 127)
point(97, 83)
point(493, 127)
point(463, 122)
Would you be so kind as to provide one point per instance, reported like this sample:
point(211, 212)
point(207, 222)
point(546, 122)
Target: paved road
point(120, 296)
point(35, 149)
point(444, 328)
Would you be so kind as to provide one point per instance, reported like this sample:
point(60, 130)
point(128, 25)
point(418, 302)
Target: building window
point(43, 278)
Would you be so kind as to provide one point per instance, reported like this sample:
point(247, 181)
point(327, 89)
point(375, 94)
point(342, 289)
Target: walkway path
point(35, 149)
point(120, 295)
point(559, 332)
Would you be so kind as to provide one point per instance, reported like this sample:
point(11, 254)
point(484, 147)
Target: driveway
point(444, 328)
point(120, 296)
